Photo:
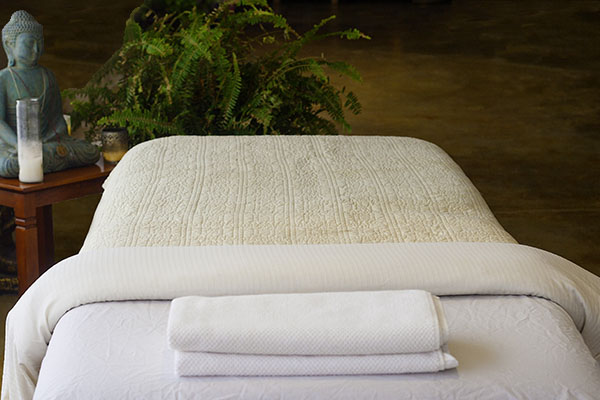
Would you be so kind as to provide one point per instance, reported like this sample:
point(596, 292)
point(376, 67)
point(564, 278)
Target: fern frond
point(317, 70)
point(157, 47)
point(141, 124)
point(231, 91)
point(307, 37)
point(353, 34)
point(196, 46)
point(133, 31)
point(343, 68)
point(352, 103)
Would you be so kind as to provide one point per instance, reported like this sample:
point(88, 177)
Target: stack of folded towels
point(341, 333)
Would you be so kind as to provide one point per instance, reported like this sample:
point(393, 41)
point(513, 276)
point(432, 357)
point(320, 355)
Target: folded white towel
point(336, 323)
point(216, 364)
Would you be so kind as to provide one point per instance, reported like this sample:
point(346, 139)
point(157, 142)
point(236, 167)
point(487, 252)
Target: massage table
point(276, 214)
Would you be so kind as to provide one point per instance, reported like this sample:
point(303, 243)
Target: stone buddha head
point(23, 39)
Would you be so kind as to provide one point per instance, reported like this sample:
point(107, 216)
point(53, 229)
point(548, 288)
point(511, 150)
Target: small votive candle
point(29, 142)
point(115, 143)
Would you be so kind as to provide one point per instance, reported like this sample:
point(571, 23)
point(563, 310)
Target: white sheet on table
point(139, 273)
point(507, 346)
point(330, 323)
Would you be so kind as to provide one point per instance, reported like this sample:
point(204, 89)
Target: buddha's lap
point(56, 152)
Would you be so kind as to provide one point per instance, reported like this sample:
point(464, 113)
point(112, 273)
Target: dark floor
point(510, 89)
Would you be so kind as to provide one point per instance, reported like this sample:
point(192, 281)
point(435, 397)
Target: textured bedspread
point(336, 193)
point(182, 191)
point(139, 274)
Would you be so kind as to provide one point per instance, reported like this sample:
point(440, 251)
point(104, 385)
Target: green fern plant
point(234, 69)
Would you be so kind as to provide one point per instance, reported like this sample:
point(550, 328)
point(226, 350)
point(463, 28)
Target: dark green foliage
point(147, 13)
point(233, 69)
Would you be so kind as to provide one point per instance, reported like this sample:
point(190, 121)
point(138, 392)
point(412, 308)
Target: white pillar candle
point(29, 143)
point(31, 169)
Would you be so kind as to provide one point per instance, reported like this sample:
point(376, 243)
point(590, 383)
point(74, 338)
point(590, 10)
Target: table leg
point(45, 231)
point(26, 234)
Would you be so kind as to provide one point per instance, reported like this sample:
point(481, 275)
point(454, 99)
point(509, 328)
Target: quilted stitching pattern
point(182, 191)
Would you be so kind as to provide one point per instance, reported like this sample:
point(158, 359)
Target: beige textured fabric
point(183, 191)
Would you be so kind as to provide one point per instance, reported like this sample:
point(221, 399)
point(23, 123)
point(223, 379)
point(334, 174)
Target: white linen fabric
point(190, 190)
point(335, 333)
point(188, 363)
point(138, 273)
point(509, 347)
point(335, 323)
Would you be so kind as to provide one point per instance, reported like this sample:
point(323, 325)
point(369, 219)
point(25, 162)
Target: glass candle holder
point(115, 142)
point(29, 142)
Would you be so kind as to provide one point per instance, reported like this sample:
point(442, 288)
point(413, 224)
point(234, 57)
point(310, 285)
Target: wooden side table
point(32, 204)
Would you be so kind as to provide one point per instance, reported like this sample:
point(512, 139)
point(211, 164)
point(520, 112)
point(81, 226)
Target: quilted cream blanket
point(139, 274)
point(191, 190)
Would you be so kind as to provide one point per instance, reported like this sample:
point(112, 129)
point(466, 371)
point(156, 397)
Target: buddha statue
point(23, 43)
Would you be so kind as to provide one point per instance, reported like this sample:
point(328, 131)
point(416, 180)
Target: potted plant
point(233, 69)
